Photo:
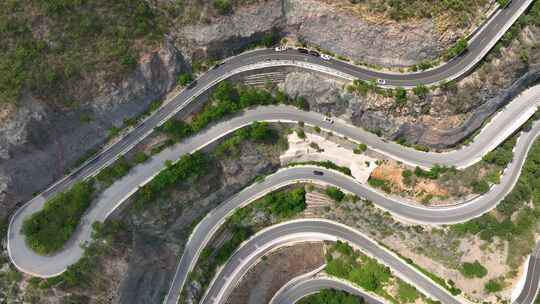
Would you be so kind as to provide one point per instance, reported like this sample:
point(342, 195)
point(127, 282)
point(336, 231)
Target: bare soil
point(261, 283)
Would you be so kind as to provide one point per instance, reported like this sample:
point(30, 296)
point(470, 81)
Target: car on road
point(328, 119)
point(302, 50)
point(192, 85)
point(325, 57)
point(319, 173)
point(314, 53)
point(280, 49)
point(217, 65)
point(381, 81)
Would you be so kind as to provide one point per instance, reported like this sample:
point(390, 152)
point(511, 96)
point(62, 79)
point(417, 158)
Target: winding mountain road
point(506, 122)
point(295, 290)
point(312, 230)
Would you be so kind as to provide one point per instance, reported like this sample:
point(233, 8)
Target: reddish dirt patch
point(391, 172)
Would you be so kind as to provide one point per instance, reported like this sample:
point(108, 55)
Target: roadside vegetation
point(446, 184)
point(516, 217)
point(48, 230)
point(530, 18)
point(438, 252)
point(344, 262)
point(325, 164)
point(331, 296)
point(188, 167)
point(226, 100)
point(246, 221)
point(90, 272)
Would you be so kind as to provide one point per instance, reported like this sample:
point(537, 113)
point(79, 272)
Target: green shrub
point(113, 172)
point(401, 96)
point(480, 187)
point(493, 286)
point(461, 45)
point(360, 148)
point(503, 3)
point(286, 204)
point(433, 173)
point(367, 272)
point(407, 293)
point(188, 166)
point(47, 231)
point(301, 134)
point(301, 103)
point(184, 79)
point(421, 148)
point(421, 91)
point(331, 296)
point(325, 164)
point(223, 6)
point(473, 270)
point(407, 177)
point(140, 157)
point(379, 183)
point(335, 193)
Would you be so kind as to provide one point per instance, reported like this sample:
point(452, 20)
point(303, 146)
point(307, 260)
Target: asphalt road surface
point(297, 290)
point(46, 266)
point(204, 231)
point(530, 290)
point(312, 229)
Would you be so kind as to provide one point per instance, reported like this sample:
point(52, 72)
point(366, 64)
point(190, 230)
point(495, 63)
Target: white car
point(381, 81)
point(325, 57)
point(280, 48)
point(330, 120)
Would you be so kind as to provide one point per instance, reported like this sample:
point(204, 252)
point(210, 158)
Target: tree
point(301, 134)
point(261, 131)
point(360, 148)
point(184, 79)
point(400, 96)
point(480, 187)
point(461, 45)
point(140, 157)
point(335, 193)
point(473, 270)
point(493, 286)
point(47, 231)
point(421, 91)
point(301, 103)
point(223, 6)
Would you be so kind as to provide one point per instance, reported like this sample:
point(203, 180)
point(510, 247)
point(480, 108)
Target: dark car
point(302, 50)
point(217, 65)
point(192, 85)
point(314, 53)
point(318, 173)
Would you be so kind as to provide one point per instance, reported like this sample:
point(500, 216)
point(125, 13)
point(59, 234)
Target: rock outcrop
point(39, 143)
point(385, 43)
point(161, 230)
point(374, 114)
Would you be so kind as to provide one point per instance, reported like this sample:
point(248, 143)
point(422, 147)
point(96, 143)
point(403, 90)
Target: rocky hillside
point(137, 262)
point(441, 118)
point(73, 69)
